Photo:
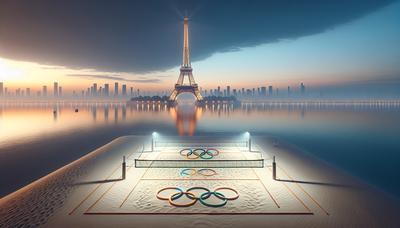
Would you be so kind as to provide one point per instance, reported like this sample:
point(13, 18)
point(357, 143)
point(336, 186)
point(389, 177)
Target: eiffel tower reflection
point(186, 117)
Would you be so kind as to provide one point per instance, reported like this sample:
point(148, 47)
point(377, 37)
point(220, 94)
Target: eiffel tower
point(186, 70)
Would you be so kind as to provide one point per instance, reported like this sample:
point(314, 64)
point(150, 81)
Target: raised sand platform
point(90, 192)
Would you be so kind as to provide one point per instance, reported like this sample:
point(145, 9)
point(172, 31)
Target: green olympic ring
point(219, 195)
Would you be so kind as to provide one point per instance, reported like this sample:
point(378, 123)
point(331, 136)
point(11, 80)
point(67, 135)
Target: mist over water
point(363, 140)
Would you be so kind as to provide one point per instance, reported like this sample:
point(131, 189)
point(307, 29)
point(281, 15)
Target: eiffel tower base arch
point(185, 89)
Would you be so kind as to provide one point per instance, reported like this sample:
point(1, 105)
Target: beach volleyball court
point(203, 180)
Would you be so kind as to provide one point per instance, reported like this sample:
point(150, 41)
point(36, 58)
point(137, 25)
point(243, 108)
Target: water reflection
point(106, 109)
point(123, 113)
point(94, 113)
point(184, 115)
point(115, 115)
point(187, 118)
point(339, 133)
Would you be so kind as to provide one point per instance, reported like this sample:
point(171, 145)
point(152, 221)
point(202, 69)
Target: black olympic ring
point(202, 197)
point(200, 188)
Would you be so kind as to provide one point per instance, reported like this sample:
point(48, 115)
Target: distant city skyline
point(126, 91)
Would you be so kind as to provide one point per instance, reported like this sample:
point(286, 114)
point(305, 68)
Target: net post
point(123, 168)
point(249, 143)
point(273, 168)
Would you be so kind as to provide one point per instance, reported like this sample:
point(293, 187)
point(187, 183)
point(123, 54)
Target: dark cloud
point(116, 78)
point(142, 36)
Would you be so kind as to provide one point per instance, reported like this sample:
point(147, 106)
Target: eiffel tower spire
point(186, 69)
point(186, 52)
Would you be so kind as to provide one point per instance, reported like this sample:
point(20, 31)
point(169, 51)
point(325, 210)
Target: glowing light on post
point(153, 140)
point(248, 137)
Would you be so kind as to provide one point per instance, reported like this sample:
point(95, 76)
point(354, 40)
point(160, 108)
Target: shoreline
point(303, 152)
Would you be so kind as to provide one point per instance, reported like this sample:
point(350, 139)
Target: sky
point(333, 46)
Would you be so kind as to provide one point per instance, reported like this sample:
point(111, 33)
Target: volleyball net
point(197, 144)
point(209, 143)
point(148, 163)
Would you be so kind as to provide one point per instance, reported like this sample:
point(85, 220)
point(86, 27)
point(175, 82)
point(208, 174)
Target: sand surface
point(90, 192)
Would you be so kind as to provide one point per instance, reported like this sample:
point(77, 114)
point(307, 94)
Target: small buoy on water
point(76, 110)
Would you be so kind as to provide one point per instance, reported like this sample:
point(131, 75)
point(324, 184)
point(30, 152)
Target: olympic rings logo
point(208, 153)
point(193, 197)
point(203, 172)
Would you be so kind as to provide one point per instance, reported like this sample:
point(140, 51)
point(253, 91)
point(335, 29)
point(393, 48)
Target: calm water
point(361, 140)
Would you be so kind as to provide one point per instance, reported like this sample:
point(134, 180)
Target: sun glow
point(9, 72)
point(20, 74)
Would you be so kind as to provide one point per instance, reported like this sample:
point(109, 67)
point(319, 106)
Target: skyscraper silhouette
point(302, 89)
point(106, 90)
point(116, 89)
point(124, 90)
point(55, 89)
point(95, 89)
point(44, 91)
point(263, 91)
